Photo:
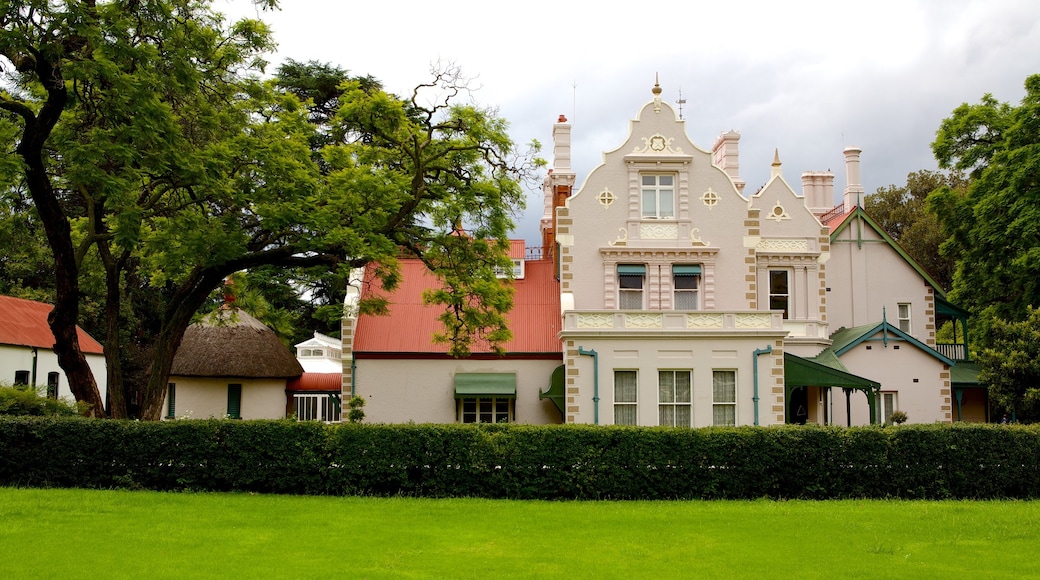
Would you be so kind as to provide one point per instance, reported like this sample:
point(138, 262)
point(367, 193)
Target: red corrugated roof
point(410, 325)
point(24, 323)
point(839, 218)
point(325, 382)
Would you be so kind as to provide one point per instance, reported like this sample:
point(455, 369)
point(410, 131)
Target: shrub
point(24, 400)
point(524, 461)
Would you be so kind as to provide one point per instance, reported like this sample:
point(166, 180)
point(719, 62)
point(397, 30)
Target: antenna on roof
point(574, 98)
point(681, 102)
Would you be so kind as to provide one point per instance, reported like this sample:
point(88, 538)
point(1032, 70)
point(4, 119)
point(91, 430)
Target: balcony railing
point(956, 352)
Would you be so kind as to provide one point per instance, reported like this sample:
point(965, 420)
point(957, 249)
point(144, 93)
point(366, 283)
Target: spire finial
point(776, 164)
point(657, 94)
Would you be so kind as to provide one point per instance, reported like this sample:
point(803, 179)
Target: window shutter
point(171, 398)
point(234, 401)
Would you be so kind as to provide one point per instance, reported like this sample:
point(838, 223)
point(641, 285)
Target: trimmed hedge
point(525, 462)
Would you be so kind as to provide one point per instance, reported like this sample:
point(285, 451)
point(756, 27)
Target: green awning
point(802, 372)
point(485, 385)
point(635, 269)
point(686, 270)
point(557, 389)
point(965, 374)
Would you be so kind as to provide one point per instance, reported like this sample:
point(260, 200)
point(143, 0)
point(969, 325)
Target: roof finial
point(776, 163)
point(657, 93)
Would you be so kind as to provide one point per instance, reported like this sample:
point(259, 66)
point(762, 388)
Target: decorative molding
point(622, 239)
point(657, 143)
point(703, 320)
point(782, 245)
point(778, 213)
point(695, 239)
point(710, 199)
point(644, 321)
point(753, 321)
point(606, 198)
point(595, 320)
point(658, 231)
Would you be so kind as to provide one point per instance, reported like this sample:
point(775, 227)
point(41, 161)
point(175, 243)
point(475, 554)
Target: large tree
point(902, 211)
point(993, 229)
point(149, 147)
point(1010, 365)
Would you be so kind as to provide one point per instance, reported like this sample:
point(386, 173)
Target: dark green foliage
point(525, 462)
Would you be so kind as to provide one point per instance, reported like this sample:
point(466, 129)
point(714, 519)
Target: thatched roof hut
point(231, 343)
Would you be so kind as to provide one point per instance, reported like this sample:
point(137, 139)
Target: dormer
point(320, 354)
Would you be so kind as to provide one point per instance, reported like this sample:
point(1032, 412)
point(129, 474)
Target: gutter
point(595, 382)
point(35, 356)
point(759, 351)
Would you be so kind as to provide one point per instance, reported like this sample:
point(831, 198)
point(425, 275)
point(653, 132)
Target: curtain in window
point(724, 396)
point(625, 398)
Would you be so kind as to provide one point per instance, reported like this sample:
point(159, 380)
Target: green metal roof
point(965, 374)
point(845, 339)
point(485, 385)
point(803, 372)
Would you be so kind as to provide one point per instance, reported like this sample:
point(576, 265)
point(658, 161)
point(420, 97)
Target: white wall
point(423, 391)
point(16, 358)
point(203, 398)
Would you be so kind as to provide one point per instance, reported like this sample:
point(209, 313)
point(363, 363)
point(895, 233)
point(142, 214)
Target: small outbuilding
point(230, 365)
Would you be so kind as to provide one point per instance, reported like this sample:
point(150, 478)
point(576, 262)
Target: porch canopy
point(470, 385)
point(827, 371)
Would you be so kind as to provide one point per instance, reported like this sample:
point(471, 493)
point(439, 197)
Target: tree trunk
point(185, 303)
point(64, 317)
point(117, 400)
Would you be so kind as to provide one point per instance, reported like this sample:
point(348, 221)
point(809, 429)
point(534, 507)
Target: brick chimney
point(726, 157)
point(818, 191)
point(558, 184)
point(853, 186)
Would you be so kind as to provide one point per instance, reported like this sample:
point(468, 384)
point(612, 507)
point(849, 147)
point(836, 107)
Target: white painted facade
point(15, 358)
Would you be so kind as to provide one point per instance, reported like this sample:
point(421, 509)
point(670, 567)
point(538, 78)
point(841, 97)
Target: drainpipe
point(595, 382)
point(353, 376)
point(35, 355)
point(759, 351)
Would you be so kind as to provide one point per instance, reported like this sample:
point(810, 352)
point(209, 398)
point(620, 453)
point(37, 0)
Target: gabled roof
point(845, 339)
point(410, 325)
point(840, 224)
point(231, 343)
point(24, 323)
point(321, 340)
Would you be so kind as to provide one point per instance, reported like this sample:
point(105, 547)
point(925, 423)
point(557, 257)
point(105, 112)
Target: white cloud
point(807, 77)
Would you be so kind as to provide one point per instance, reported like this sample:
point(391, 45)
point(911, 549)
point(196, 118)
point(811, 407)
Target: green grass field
point(121, 534)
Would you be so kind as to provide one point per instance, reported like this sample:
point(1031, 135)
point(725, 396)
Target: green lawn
point(121, 534)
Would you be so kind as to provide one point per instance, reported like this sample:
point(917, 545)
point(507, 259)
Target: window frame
point(53, 383)
point(774, 295)
point(655, 189)
point(900, 318)
point(21, 377)
point(622, 405)
point(889, 403)
point(674, 405)
point(497, 407)
point(320, 407)
point(686, 273)
point(716, 403)
point(631, 272)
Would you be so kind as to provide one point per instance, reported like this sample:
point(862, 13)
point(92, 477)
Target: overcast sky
point(806, 77)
